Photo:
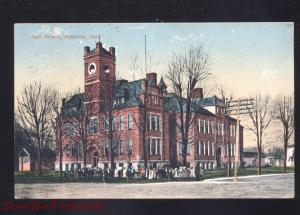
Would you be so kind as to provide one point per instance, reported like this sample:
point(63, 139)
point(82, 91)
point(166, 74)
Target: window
point(220, 128)
point(130, 146)
point(130, 121)
point(153, 147)
point(106, 124)
point(210, 124)
point(179, 148)
point(158, 123)
point(68, 149)
point(67, 167)
point(115, 148)
point(93, 125)
point(121, 146)
point(121, 126)
point(106, 149)
point(153, 119)
point(158, 146)
point(153, 122)
point(188, 149)
point(155, 100)
point(205, 126)
point(73, 150)
point(204, 148)
point(80, 149)
point(201, 126)
point(68, 129)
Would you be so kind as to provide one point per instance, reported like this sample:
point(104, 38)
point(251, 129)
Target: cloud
point(189, 37)
point(137, 27)
point(265, 74)
point(50, 30)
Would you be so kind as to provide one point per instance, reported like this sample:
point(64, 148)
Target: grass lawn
point(53, 177)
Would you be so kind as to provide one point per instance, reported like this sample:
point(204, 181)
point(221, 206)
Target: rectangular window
point(204, 148)
point(106, 148)
point(130, 147)
point(93, 125)
point(121, 146)
point(201, 126)
point(158, 123)
point(153, 120)
point(158, 147)
point(179, 148)
point(67, 167)
point(80, 149)
point(205, 126)
point(115, 147)
point(153, 146)
point(121, 121)
point(199, 147)
point(188, 149)
point(130, 121)
point(106, 125)
point(73, 150)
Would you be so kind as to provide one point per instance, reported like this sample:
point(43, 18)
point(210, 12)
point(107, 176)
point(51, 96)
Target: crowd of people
point(119, 172)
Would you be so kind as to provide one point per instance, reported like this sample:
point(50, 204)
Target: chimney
point(152, 76)
point(197, 93)
point(86, 50)
point(112, 50)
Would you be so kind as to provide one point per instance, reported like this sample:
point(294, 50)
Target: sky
point(246, 58)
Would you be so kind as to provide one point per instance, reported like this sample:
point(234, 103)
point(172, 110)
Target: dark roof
point(209, 101)
point(103, 50)
point(162, 84)
point(130, 91)
point(73, 106)
point(171, 105)
point(249, 154)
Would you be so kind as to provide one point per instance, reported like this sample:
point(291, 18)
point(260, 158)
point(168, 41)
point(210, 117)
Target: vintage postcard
point(154, 110)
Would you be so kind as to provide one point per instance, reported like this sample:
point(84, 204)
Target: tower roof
point(162, 84)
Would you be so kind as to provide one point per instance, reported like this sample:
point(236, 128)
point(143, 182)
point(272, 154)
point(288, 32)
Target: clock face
point(92, 68)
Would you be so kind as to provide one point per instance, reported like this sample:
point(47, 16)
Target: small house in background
point(25, 163)
point(250, 158)
point(274, 159)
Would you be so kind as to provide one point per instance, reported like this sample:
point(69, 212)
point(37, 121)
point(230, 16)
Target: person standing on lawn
point(201, 174)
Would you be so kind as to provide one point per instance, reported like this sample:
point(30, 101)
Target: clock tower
point(99, 75)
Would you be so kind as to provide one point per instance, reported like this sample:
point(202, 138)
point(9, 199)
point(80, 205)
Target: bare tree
point(284, 111)
point(185, 72)
point(35, 111)
point(79, 118)
point(107, 117)
point(261, 115)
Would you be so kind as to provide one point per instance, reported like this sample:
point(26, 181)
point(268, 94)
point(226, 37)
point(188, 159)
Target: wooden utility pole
point(238, 107)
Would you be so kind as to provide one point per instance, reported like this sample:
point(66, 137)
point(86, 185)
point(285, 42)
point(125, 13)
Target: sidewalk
point(247, 176)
